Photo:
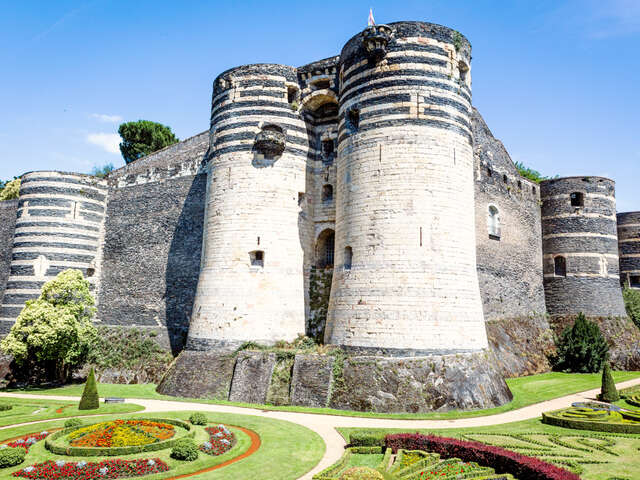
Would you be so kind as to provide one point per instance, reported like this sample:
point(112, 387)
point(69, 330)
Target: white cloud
point(110, 142)
point(106, 118)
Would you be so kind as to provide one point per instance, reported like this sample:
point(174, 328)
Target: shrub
point(185, 449)
point(10, 457)
point(198, 418)
point(361, 473)
point(582, 348)
point(90, 399)
point(632, 303)
point(72, 422)
point(608, 392)
point(367, 439)
point(503, 461)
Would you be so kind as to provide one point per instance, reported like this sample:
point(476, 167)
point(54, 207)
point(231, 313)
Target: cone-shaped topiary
point(90, 399)
point(582, 348)
point(609, 393)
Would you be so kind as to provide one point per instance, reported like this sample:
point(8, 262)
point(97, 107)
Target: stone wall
point(153, 241)
point(8, 211)
point(629, 248)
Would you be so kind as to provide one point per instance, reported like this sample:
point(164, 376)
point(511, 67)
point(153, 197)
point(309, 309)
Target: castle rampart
point(629, 248)
point(405, 275)
point(580, 246)
point(8, 210)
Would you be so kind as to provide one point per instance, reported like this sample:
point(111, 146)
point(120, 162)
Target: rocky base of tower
point(341, 381)
point(622, 336)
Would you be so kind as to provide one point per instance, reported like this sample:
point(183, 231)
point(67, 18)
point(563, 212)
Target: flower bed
point(27, 441)
point(613, 420)
point(61, 470)
point(121, 433)
point(503, 461)
point(221, 440)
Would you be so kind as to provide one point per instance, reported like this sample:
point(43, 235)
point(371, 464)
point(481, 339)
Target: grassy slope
point(32, 410)
point(526, 391)
point(625, 464)
point(288, 450)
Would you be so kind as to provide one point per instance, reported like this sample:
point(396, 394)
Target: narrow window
point(327, 194)
point(493, 223)
point(325, 249)
point(577, 199)
point(257, 258)
point(489, 172)
point(504, 178)
point(519, 184)
point(292, 94)
point(634, 280)
point(560, 266)
point(353, 119)
point(300, 198)
point(463, 70)
point(533, 190)
point(348, 258)
point(327, 147)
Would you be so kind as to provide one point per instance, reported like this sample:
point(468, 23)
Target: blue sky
point(556, 80)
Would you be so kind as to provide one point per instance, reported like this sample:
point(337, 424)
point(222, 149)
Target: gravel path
point(325, 425)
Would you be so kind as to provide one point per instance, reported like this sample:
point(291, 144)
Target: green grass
point(287, 450)
point(526, 391)
point(32, 410)
point(595, 455)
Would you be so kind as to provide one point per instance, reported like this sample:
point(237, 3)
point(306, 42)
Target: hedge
point(331, 473)
point(5, 407)
point(10, 457)
point(112, 451)
point(500, 459)
point(552, 418)
point(367, 439)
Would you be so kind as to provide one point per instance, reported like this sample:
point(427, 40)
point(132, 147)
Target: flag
point(371, 20)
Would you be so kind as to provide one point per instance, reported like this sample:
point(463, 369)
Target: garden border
point(115, 451)
point(551, 418)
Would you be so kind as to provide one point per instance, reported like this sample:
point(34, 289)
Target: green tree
point(55, 330)
point(632, 303)
point(529, 173)
point(582, 348)
point(90, 399)
point(144, 137)
point(10, 190)
point(102, 172)
point(608, 392)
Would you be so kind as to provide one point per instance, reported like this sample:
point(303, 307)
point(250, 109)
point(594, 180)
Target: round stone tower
point(405, 278)
point(251, 284)
point(60, 225)
point(629, 248)
point(580, 247)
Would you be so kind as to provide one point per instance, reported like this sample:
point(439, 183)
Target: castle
point(359, 199)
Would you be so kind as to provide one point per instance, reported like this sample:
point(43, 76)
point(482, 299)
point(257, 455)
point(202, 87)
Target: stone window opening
point(327, 147)
point(519, 184)
point(353, 119)
point(560, 266)
point(348, 258)
point(327, 194)
point(489, 172)
point(257, 258)
point(300, 198)
point(321, 84)
point(493, 222)
point(463, 71)
point(634, 281)
point(292, 94)
point(505, 179)
point(533, 190)
point(577, 199)
point(325, 249)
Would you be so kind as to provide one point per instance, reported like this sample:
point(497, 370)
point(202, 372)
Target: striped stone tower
point(60, 225)
point(251, 284)
point(629, 248)
point(405, 278)
point(580, 247)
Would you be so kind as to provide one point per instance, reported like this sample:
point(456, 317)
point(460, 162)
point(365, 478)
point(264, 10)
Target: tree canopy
point(144, 137)
point(55, 330)
point(102, 172)
point(529, 173)
point(9, 190)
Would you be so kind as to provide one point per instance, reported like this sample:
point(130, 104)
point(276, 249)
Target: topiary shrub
point(582, 348)
point(185, 449)
point(632, 303)
point(198, 418)
point(72, 422)
point(608, 392)
point(10, 457)
point(361, 473)
point(90, 399)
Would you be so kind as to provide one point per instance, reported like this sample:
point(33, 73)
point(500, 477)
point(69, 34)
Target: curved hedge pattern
point(623, 421)
point(113, 451)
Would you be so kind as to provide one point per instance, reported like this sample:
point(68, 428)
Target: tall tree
point(144, 137)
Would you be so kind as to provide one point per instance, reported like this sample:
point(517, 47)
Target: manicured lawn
point(595, 455)
point(526, 391)
point(31, 410)
point(287, 450)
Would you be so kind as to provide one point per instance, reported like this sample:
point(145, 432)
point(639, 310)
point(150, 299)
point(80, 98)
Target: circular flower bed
point(121, 433)
point(607, 418)
point(61, 470)
point(221, 439)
